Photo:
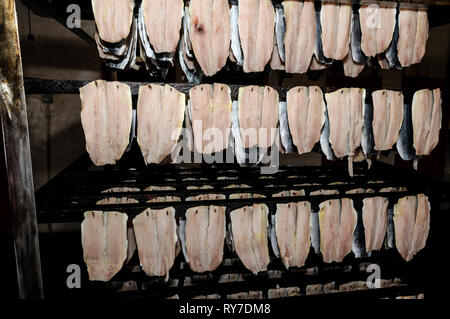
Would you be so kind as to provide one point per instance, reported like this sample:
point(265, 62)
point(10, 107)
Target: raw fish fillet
point(412, 224)
point(106, 116)
point(306, 116)
point(292, 224)
point(104, 241)
point(374, 215)
point(426, 120)
point(160, 114)
point(256, 27)
point(387, 118)
point(210, 33)
point(211, 117)
point(113, 19)
point(205, 236)
point(249, 229)
point(156, 238)
point(335, 20)
point(163, 23)
point(299, 40)
point(337, 224)
point(258, 115)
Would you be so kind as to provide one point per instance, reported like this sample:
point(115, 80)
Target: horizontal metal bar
point(44, 86)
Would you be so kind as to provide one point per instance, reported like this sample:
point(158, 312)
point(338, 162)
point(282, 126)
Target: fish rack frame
point(23, 203)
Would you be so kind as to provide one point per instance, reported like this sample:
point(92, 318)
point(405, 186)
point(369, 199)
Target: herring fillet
point(160, 113)
point(205, 236)
point(337, 223)
point(345, 114)
point(374, 216)
point(104, 241)
point(335, 20)
point(258, 115)
point(256, 27)
point(106, 116)
point(210, 33)
point(377, 28)
point(163, 23)
point(387, 118)
point(351, 68)
point(306, 116)
point(156, 239)
point(426, 120)
point(412, 224)
point(211, 117)
point(293, 232)
point(113, 19)
point(249, 229)
point(300, 35)
point(413, 34)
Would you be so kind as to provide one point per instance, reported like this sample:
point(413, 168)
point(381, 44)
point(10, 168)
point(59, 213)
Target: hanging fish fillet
point(316, 65)
point(256, 26)
point(345, 114)
point(113, 19)
point(156, 238)
point(258, 115)
point(413, 35)
point(352, 68)
point(387, 118)
point(160, 113)
point(337, 223)
point(275, 61)
point(104, 241)
point(377, 28)
point(426, 120)
point(299, 40)
point(306, 116)
point(335, 20)
point(249, 229)
point(210, 33)
point(205, 236)
point(412, 224)
point(292, 222)
point(106, 113)
point(374, 215)
point(162, 20)
point(324, 192)
point(211, 117)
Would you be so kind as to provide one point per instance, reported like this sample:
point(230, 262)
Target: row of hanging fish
point(334, 231)
point(346, 122)
point(293, 36)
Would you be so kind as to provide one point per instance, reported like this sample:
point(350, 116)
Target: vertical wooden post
point(18, 156)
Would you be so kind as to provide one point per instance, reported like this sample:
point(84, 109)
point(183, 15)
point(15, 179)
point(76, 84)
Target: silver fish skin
point(390, 229)
point(355, 38)
point(182, 235)
point(273, 236)
point(129, 60)
point(358, 241)
point(318, 51)
point(325, 138)
point(405, 143)
point(239, 150)
point(285, 133)
point(367, 141)
point(144, 37)
point(391, 52)
point(280, 30)
point(235, 39)
point(315, 231)
point(186, 32)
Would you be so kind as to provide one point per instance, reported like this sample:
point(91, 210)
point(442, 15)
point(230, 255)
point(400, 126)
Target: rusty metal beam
point(18, 156)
